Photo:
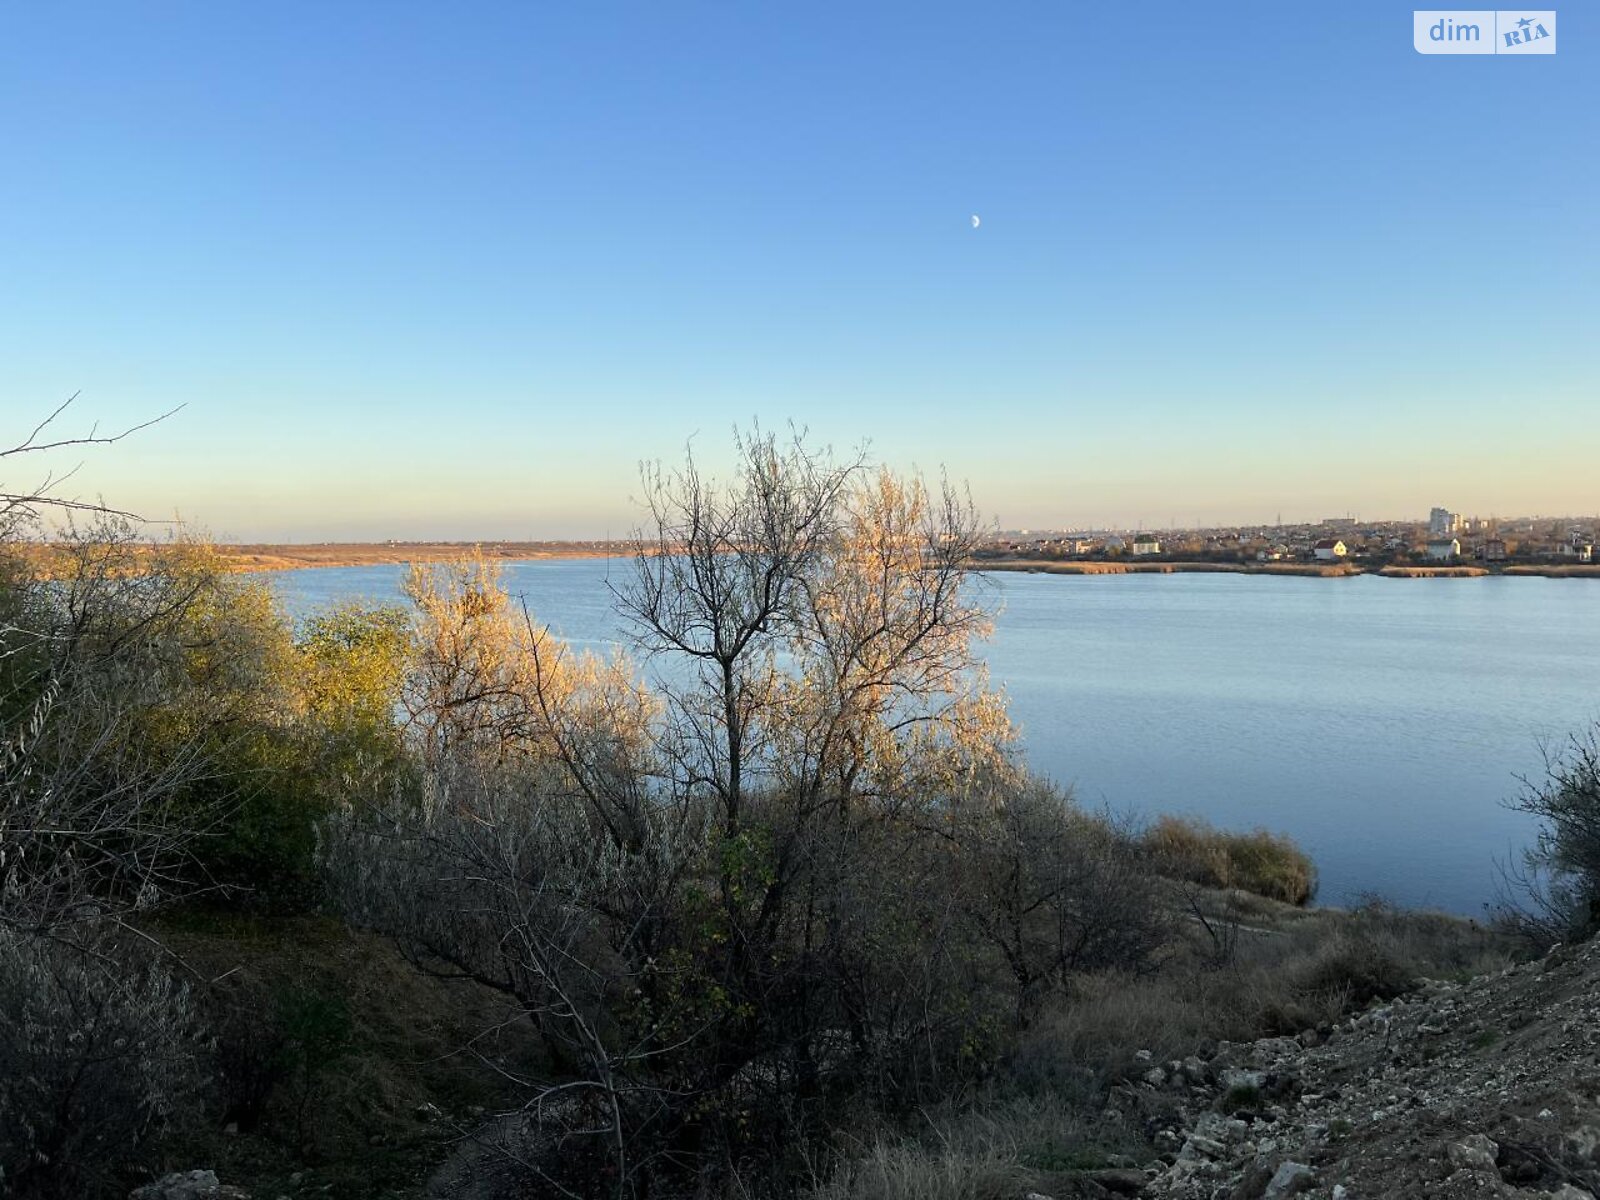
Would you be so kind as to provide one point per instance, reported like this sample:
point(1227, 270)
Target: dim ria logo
point(1484, 31)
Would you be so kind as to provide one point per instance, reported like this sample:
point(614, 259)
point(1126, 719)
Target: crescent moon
point(975, 221)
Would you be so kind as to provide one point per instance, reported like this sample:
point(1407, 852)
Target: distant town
point(1441, 541)
point(1445, 543)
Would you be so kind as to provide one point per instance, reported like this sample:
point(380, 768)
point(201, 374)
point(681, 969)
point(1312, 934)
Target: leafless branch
point(39, 440)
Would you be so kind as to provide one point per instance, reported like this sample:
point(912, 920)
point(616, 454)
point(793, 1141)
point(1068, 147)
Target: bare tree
point(718, 583)
point(725, 894)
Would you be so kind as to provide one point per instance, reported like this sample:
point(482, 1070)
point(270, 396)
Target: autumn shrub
point(96, 782)
point(1259, 862)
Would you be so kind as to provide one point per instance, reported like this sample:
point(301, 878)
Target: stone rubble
point(1458, 1091)
point(188, 1185)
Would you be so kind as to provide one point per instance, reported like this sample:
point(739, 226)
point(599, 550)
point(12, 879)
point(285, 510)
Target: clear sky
point(453, 269)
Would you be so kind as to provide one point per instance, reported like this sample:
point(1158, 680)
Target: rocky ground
point(1489, 1088)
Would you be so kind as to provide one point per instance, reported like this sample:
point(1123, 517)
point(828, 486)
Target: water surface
point(1380, 722)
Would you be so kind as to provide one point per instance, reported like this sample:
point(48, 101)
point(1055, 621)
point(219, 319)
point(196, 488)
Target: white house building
point(1443, 549)
point(1146, 543)
point(1329, 550)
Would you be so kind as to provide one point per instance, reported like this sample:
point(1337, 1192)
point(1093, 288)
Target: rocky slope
point(1489, 1088)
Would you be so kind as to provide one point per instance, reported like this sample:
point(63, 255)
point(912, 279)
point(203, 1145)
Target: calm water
point(1380, 722)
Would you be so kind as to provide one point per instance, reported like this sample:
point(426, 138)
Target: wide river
point(1380, 722)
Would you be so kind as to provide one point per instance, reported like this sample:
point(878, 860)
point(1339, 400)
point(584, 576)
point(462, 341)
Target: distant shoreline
point(268, 557)
point(1343, 570)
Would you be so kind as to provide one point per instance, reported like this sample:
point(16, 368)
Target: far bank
point(1341, 570)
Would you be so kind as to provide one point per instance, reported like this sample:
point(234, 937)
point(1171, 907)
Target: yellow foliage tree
point(486, 681)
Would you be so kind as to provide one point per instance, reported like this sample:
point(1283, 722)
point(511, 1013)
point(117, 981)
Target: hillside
point(1485, 1087)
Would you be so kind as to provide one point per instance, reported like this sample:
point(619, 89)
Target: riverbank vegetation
point(1406, 572)
point(1259, 862)
point(766, 906)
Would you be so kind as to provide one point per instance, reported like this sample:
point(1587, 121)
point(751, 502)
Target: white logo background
point(1484, 31)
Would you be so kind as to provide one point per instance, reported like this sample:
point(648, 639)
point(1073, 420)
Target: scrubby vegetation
point(768, 906)
point(1554, 893)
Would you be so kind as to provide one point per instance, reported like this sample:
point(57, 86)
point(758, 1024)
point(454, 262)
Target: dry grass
point(1433, 572)
point(1097, 1035)
point(1263, 863)
point(1322, 964)
point(994, 1151)
point(1572, 571)
point(910, 1171)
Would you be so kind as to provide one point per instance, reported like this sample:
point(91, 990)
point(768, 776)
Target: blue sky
point(453, 270)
